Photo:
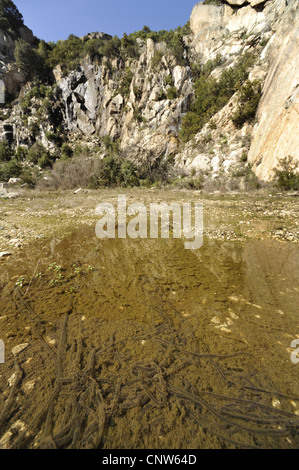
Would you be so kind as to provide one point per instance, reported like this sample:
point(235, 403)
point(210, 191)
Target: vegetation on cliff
point(211, 95)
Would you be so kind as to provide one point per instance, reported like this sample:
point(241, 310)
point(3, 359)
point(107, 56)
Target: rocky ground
point(33, 215)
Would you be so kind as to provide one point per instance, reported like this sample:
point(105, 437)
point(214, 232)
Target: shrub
point(156, 60)
point(21, 153)
point(53, 137)
point(36, 153)
point(129, 47)
point(28, 59)
point(172, 93)
point(138, 116)
point(66, 151)
point(212, 95)
point(214, 2)
point(244, 157)
point(161, 96)
point(287, 175)
point(80, 171)
point(11, 169)
point(125, 84)
point(111, 146)
point(66, 53)
point(6, 151)
point(169, 80)
point(29, 176)
point(45, 161)
point(250, 96)
point(128, 174)
point(110, 170)
point(10, 17)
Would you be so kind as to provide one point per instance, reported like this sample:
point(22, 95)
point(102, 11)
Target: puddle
point(145, 345)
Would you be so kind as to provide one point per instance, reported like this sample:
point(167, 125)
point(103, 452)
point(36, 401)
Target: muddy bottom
point(145, 345)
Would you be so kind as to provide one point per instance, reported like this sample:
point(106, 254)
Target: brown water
point(146, 345)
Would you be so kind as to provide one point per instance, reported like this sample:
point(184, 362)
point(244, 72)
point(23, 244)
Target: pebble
point(17, 349)
point(12, 380)
point(16, 242)
point(29, 386)
point(5, 440)
point(4, 254)
point(275, 403)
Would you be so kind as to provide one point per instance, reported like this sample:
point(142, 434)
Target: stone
point(12, 379)
point(254, 3)
point(14, 181)
point(4, 254)
point(237, 2)
point(18, 349)
point(180, 75)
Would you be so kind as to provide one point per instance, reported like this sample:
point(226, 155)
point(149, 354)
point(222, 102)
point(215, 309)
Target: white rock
point(5, 440)
point(180, 75)
point(12, 380)
point(18, 349)
point(29, 386)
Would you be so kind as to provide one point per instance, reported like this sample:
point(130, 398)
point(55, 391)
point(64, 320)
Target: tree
point(28, 59)
point(6, 151)
point(10, 15)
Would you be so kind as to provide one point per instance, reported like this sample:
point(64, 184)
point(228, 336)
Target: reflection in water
point(143, 344)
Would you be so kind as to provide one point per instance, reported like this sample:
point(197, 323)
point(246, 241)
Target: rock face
point(217, 30)
point(12, 78)
point(276, 135)
point(140, 102)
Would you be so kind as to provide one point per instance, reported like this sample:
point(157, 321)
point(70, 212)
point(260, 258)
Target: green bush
point(29, 177)
point(110, 171)
point(287, 175)
point(128, 174)
point(66, 151)
point(125, 83)
point(10, 17)
point(214, 2)
point(169, 80)
point(111, 146)
point(172, 93)
point(54, 137)
point(250, 97)
point(45, 161)
point(6, 152)
point(28, 59)
point(21, 153)
point(129, 47)
point(211, 95)
point(11, 169)
point(161, 96)
point(156, 60)
point(37, 153)
point(117, 171)
point(66, 53)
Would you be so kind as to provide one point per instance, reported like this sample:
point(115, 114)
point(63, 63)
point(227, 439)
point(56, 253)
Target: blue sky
point(56, 19)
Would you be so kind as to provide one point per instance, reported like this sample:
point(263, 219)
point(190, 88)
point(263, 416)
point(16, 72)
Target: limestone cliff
point(140, 102)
